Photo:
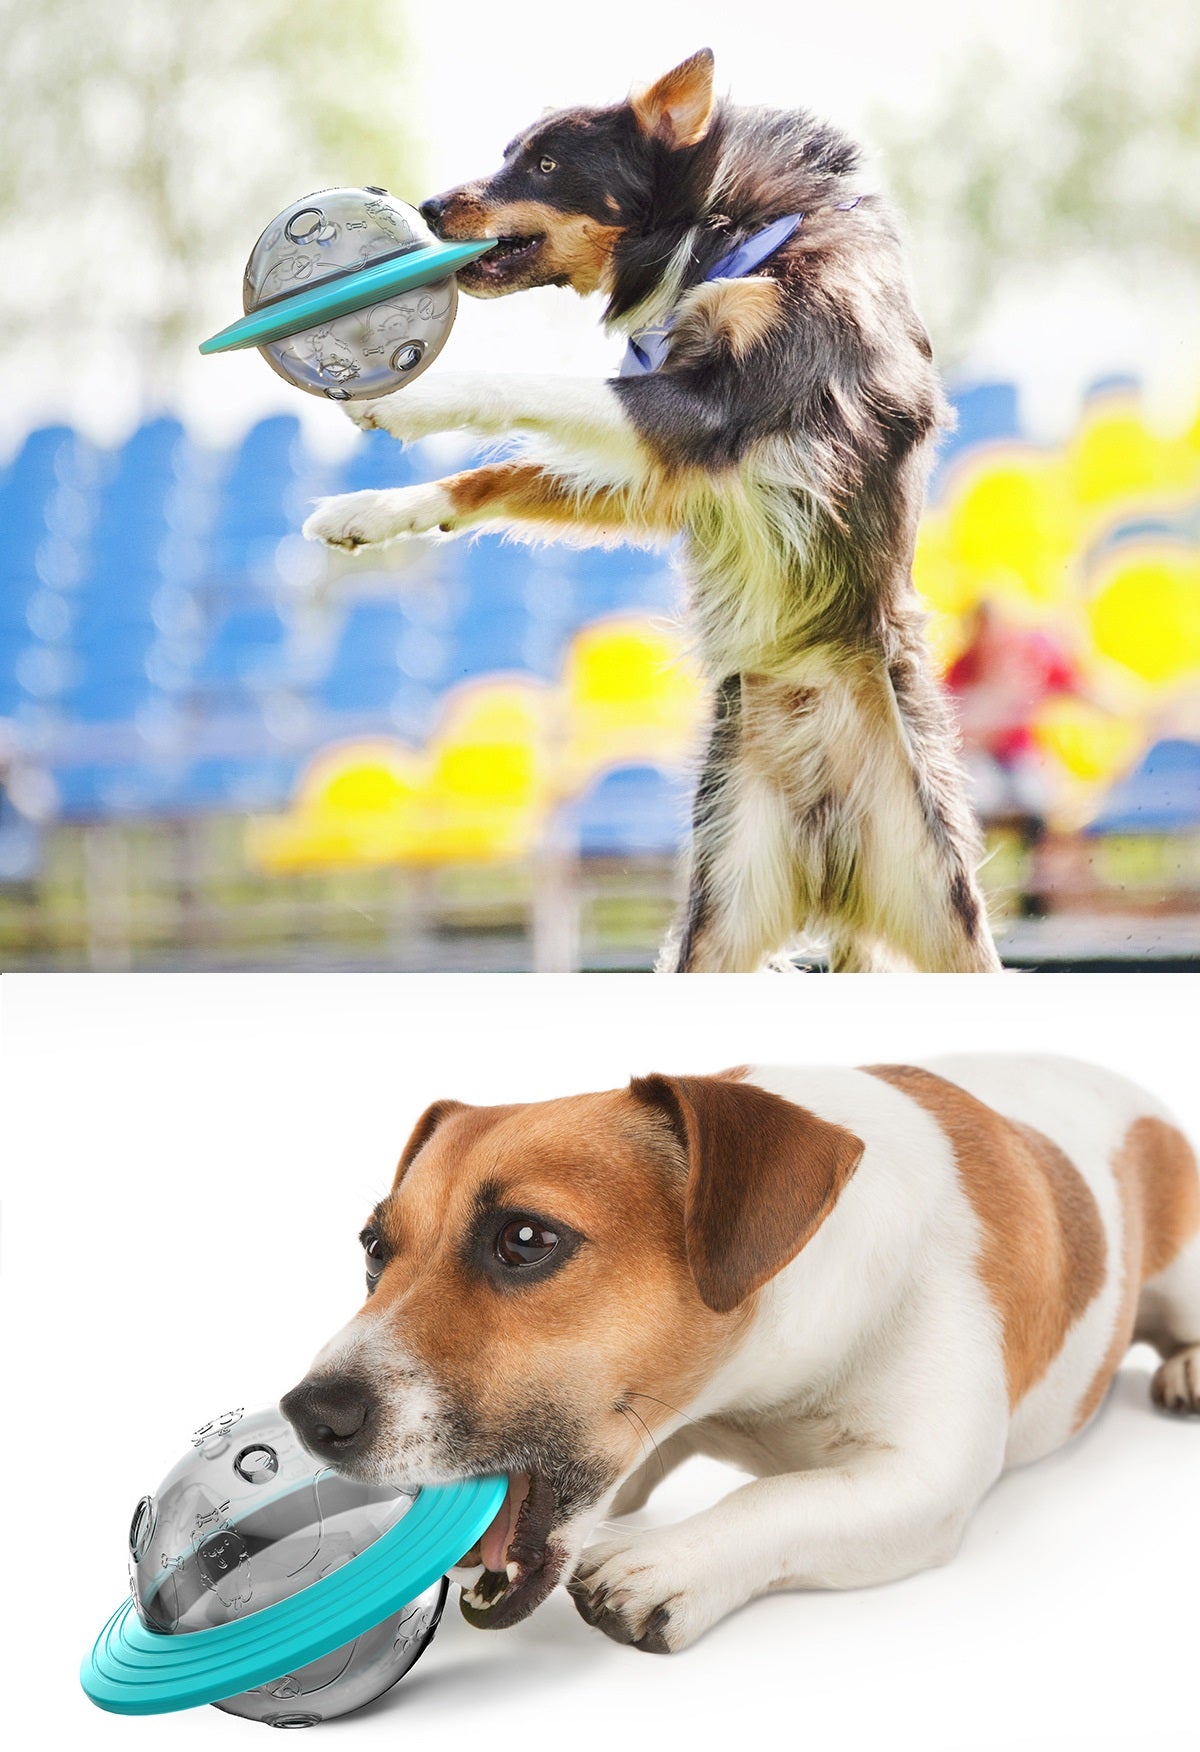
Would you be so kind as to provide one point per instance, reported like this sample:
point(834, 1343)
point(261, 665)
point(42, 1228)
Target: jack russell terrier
point(873, 1289)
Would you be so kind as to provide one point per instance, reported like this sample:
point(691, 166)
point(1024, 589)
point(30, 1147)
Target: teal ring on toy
point(135, 1671)
point(342, 293)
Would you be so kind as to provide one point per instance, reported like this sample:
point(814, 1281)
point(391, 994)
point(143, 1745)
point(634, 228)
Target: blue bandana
point(647, 347)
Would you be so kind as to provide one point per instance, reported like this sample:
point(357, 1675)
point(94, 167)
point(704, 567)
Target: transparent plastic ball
point(367, 352)
point(248, 1518)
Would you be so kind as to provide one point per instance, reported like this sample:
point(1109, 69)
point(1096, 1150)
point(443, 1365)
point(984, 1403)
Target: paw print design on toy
point(265, 1582)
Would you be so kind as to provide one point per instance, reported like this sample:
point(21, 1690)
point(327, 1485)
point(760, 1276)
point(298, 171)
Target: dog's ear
point(423, 1131)
point(763, 1175)
point(678, 108)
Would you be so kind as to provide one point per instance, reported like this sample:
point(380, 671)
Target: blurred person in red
point(1001, 677)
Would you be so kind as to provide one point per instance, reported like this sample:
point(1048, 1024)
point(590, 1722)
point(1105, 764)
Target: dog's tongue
point(493, 1547)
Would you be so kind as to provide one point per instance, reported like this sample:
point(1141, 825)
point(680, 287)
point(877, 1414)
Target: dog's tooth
point(513, 1571)
point(480, 1602)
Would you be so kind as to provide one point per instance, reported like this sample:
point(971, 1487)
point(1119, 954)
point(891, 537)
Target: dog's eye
point(373, 1249)
point(547, 164)
point(525, 1241)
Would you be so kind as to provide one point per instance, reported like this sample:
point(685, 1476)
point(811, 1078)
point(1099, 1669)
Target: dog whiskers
point(628, 1412)
point(673, 1409)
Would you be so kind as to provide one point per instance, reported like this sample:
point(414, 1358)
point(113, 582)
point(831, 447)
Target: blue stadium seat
point(45, 508)
point(364, 674)
point(259, 502)
point(988, 413)
point(620, 580)
point(247, 643)
point(12, 694)
point(97, 790)
point(130, 537)
point(147, 789)
point(485, 644)
point(1161, 795)
point(236, 785)
point(511, 610)
point(378, 461)
point(15, 597)
point(38, 464)
point(385, 668)
point(1122, 383)
point(118, 669)
point(636, 811)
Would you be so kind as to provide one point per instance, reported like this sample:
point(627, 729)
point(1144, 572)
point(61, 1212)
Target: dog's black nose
point(330, 1417)
point(432, 209)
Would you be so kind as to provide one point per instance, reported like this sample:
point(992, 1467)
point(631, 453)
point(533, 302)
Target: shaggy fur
point(787, 437)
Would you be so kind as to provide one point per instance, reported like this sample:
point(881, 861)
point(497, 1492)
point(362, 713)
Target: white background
point(187, 1163)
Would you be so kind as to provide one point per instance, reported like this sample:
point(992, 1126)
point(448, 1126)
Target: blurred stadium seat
point(378, 461)
point(1160, 796)
point(245, 647)
point(629, 697)
point(985, 414)
point(620, 581)
point(261, 502)
point(631, 812)
point(464, 703)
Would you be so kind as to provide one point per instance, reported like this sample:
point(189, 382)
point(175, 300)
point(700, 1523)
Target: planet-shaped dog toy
point(265, 1582)
point(348, 294)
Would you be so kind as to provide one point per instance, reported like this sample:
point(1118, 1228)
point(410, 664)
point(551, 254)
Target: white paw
point(1176, 1384)
point(647, 1588)
point(419, 411)
point(355, 520)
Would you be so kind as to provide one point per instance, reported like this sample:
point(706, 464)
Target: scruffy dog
point(778, 408)
point(873, 1290)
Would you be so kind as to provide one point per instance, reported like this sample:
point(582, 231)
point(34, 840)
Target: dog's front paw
point(368, 416)
point(446, 404)
point(644, 1588)
point(355, 520)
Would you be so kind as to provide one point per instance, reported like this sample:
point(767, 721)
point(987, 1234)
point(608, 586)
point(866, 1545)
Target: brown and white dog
point(874, 1289)
point(778, 411)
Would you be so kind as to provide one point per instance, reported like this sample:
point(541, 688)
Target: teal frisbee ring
point(348, 294)
point(132, 1670)
point(356, 291)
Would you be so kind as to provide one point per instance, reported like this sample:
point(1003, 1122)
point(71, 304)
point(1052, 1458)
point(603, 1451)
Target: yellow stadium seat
point(1011, 535)
point(1145, 613)
point(479, 793)
point(1093, 746)
point(631, 697)
point(359, 803)
point(491, 780)
point(1117, 466)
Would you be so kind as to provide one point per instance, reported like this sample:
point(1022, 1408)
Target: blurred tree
point(143, 146)
point(1086, 156)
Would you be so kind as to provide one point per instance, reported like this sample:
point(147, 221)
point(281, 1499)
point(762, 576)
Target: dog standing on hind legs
point(777, 408)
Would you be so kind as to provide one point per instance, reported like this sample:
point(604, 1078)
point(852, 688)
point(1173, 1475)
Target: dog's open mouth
point(519, 1566)
point(507, 256)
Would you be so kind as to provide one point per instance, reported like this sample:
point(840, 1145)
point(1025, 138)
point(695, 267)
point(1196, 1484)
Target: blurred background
point(222, 748)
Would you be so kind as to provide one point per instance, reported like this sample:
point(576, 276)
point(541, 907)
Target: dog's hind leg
point(741, 904)
point(920, 843)
point(1169, 1318)
point(854, 952)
